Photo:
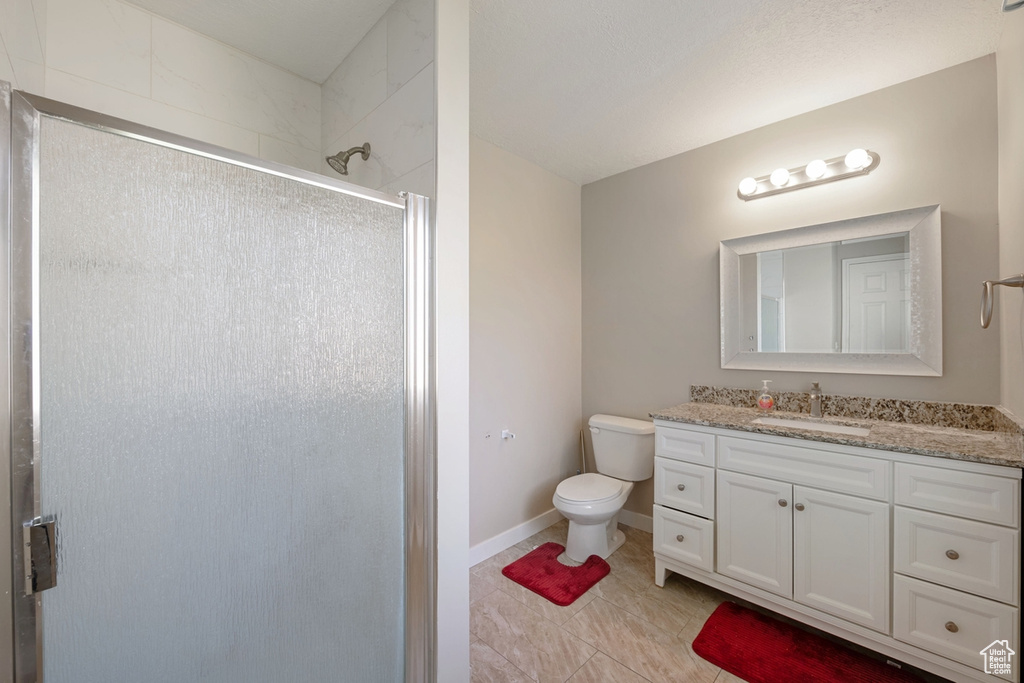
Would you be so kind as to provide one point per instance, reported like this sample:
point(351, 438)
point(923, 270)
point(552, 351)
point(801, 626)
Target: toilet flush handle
point(595, 430)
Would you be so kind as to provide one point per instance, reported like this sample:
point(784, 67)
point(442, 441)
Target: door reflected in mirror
point(848, 296)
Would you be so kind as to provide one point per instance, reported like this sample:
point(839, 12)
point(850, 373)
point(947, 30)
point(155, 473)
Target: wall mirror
point(862, 295)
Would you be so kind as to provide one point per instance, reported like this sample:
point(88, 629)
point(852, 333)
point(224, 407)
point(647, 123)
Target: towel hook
point(988, 295)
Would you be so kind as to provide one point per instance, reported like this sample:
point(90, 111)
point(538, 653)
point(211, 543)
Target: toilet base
point(618, 539)
point(585, 540)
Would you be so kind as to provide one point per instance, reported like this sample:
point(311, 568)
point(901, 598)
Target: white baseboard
point(494, 545)
point(637, 521)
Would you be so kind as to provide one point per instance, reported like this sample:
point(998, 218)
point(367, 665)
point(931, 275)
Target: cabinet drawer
point(682, 444)
point(685, 487)
point(866, 477)
point(950, 623)
point(970, 556)
point(983, 497)
point(684, 538)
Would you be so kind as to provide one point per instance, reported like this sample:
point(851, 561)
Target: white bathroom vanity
point(914, 556)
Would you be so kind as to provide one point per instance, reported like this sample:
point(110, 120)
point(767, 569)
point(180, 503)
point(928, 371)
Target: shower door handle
point(40, 537)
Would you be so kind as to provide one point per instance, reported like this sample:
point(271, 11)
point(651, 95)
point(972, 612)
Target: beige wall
point(808, 282)
point(650, 243)
point(524, 338)
point(1010, 302)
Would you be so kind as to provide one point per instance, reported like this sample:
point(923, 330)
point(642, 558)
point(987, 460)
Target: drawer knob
point(799, 506)
point(952, 627)
point(952, 554)
point(782, 502)
point(680, 538)
point(681, 487)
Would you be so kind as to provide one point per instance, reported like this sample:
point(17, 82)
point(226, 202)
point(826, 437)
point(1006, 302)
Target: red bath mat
point(540, 571)
point(760, 649)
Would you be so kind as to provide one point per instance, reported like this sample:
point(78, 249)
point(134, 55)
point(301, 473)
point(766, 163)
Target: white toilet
point(624, 453)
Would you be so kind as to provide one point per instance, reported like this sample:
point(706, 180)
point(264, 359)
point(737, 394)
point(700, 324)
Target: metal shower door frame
point(21, 653)
point(6, 566)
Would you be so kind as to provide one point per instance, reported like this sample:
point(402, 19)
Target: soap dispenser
point(765, 400)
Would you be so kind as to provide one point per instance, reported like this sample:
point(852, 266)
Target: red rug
point(540, 571)
point(760, 649)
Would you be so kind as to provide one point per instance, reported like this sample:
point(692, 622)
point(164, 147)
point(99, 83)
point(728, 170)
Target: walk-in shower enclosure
point(220, 434)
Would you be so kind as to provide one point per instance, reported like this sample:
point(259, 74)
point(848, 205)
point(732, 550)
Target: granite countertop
point(977, 445)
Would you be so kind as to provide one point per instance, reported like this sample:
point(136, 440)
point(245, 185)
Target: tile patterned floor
point(623, 630)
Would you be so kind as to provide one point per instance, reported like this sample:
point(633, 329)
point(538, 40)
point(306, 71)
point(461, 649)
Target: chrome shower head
point(339, 162)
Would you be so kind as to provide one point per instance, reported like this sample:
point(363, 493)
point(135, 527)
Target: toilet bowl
point(591, 502)
point(623, 453)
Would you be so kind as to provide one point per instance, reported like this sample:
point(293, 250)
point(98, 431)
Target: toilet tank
point(623, 447)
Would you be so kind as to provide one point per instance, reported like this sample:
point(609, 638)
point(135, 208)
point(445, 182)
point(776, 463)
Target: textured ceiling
point(307, 37)
point(590, 88)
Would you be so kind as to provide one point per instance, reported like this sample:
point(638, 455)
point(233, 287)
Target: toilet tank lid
point(627, 425)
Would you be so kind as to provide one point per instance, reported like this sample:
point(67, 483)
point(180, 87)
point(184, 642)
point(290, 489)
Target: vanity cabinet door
point(841, 556)
point(755, 531)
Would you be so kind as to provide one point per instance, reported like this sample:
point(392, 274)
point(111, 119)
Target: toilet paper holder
point(988, 295)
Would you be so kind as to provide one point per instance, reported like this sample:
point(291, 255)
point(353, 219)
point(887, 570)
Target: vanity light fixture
point(817, 172)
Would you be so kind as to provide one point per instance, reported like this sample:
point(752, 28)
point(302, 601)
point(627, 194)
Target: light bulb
point(779, 177)
point(815, 169)
point(857, 159)
point(748, 186)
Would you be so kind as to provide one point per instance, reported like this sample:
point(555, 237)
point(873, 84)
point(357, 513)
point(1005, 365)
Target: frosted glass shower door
point(216, 403)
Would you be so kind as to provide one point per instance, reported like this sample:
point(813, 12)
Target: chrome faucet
point(815, 400)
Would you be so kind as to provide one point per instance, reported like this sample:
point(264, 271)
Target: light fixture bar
point(818, 172)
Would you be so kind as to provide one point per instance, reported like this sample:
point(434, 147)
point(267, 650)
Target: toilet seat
point(588, 488)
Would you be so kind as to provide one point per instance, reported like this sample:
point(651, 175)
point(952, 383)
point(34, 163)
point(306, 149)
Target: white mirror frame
point(925, 355)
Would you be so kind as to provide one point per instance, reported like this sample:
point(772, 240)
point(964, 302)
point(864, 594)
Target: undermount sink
point(815, 426)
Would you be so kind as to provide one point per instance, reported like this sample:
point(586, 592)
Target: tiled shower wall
point(114, 58)
point(22, 41)
point(383, 94)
